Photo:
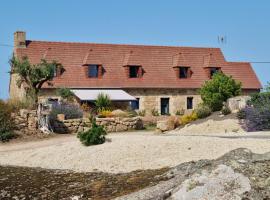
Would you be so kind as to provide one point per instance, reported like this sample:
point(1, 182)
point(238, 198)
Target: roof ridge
point(124, 44)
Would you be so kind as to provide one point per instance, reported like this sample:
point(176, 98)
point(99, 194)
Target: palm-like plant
point(102, 102)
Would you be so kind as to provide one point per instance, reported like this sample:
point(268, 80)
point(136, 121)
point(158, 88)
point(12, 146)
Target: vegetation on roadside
point(95, 135)
point(15, 105)
point(225, 110)
point(33, 76)
point(256, 114)
point(203, 111)
point(217, 90)
point(6, 122)
point(185, 119)
point(141, 113)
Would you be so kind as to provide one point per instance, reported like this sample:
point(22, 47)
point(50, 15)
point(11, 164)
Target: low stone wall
point(120, 124)
point(71, 125)
point(26, 121)
point(110, 124)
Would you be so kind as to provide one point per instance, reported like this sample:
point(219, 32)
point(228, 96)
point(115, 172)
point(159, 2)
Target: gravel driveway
point(125, 152)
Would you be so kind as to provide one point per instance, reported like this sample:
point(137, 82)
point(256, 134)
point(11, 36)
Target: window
point(214, 70)
point(135, 105)
point(93, 71)
point(189, 102)
point(134, 71)
point(164, 106)
point(183, 72)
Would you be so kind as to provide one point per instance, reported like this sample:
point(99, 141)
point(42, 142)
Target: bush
point(226, 110)
point(257, 114)
point(65, 93)
point(203, 111)
point(103, 101)
point(85, 107)
point(241, 114)
point(105, 113)
point(180, 112)
point(141, 113)
point(188, 118)
point(6, 122)
point(94, 136)
point(15, 105)
point(155, 112)
point(69, 110)
point(217, 90)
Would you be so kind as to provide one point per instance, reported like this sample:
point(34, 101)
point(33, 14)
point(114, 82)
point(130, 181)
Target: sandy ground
point(126, 151)
point(214, 124)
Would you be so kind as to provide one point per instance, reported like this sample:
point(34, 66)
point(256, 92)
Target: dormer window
point(93, 71)
point(184, 72)
point(214, 70)
point(135, 71)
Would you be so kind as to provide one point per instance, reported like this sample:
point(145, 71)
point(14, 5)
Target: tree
point(217, 90)
point(33, 75)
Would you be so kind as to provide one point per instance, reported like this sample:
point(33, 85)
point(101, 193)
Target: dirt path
point(126, 152)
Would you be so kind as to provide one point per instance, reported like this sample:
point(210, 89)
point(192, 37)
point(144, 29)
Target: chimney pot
point(20, 39)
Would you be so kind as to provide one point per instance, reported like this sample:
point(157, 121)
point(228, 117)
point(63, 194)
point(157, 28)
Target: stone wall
point(110, 124)
point(26, 121)
point(120, 124)
point(71, 125)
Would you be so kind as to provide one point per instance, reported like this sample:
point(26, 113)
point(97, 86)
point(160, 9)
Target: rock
point(60, 117)
point(24, 113)
point(119, 113)
point(165, 125)
point(121, 127)
point(237, 103)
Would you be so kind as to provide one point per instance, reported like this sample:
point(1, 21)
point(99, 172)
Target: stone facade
point(150, 99)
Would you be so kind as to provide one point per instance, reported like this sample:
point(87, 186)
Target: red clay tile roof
point(157, 62)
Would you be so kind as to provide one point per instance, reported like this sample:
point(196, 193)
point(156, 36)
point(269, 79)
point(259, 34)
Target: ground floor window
point(189, 102)
point(135, 105)
point(164, 106)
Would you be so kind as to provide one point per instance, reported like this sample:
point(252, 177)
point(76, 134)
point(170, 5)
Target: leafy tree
point(267, 87)
point(33, 75)
point(217, 90)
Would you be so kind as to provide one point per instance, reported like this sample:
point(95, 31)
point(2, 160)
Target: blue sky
point(245, 23)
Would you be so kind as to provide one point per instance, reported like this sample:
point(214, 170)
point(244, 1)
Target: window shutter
point(140, 72)
point(100, 69)
point(189, 72)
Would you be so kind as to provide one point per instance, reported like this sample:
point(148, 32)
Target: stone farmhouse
point(163, 78)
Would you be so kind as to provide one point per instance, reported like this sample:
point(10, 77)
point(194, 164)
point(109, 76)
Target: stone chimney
point(19, 39)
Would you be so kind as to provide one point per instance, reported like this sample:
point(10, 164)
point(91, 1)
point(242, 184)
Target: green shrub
point(94, 136)
point(180, 112)
point(6, 122)
point(225, 110)
point(203, 111)
point(65, 93)
point(241, 114)
point(103, 101)
point(217, 90)
point(155, 112)
point(185, 119)
point(6, 136)
point(141, 113)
